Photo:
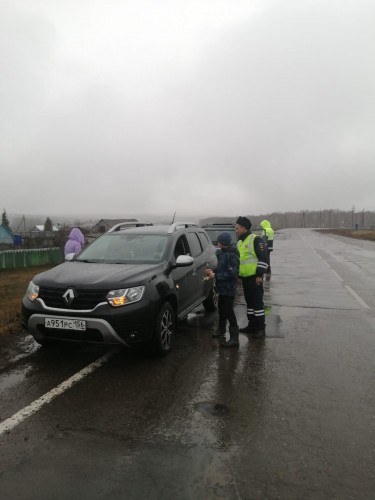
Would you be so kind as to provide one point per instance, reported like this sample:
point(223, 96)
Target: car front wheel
point(165, 327)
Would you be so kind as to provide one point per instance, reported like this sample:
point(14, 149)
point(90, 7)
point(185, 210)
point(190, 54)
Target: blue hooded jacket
point(226, 273)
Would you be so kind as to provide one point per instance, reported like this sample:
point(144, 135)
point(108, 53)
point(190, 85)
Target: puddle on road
point(12, 353)
point(10, 380)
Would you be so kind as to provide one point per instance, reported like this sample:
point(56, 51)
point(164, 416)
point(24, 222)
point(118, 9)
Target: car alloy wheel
point(164, 329)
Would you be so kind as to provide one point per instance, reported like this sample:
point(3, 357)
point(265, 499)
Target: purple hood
point(75, 242)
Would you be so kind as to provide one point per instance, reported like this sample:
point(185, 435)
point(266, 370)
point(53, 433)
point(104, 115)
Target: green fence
point(14, 259)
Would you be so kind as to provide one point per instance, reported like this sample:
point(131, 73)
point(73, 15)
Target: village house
point(6, 236)
point(105, 224)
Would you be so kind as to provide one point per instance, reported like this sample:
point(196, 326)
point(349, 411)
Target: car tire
point(165, 327)
point(210, 304)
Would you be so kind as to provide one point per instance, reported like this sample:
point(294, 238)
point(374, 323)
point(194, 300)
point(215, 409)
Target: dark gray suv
point(129, 287)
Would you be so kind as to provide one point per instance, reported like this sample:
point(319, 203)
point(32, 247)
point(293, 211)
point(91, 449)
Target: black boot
point(220, 332)
point(233, 340)
point(258, 332)
point(249, 328)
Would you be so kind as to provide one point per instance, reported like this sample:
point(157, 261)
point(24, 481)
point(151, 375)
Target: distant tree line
point(328, 218)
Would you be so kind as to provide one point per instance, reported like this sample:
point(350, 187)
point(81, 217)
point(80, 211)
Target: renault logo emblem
point(69, 296)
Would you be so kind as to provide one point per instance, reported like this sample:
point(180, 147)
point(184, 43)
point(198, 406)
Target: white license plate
point(65, 323)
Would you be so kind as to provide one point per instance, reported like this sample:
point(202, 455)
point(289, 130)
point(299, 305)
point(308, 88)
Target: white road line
point(26, 412)
point(357, 297)
point(350, 290)
point(337, 276)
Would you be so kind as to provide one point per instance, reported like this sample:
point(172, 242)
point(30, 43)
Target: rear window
point(194, 244)
point(204, 239)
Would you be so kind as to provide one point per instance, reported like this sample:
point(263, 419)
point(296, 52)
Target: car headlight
point(117, 298)
point(32, 291)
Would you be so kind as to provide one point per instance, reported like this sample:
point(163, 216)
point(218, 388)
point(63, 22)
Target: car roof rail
point(231, 224)
point(178, 225)
point(120, 225)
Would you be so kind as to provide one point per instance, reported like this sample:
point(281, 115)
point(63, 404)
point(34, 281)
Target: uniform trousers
point(269, 261)
point(254, 301)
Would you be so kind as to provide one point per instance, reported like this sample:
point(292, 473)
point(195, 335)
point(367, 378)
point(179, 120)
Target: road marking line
point(357, 297)
point(337, 276)
point(26, 412)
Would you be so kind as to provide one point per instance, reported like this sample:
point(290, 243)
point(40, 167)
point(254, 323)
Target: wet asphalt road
point(291, 416)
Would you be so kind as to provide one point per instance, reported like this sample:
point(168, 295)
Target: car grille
point(84, 300)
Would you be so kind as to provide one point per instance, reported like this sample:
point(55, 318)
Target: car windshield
point(116, 248)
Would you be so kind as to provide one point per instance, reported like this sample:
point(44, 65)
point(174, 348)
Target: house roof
point(6, 234)
point(108, 223)
point(112, 222)
point(40, 227)
point(5, 228)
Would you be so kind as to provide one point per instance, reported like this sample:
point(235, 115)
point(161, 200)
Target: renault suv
point(130, 286)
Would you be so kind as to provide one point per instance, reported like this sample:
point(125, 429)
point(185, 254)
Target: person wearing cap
point(226, 277)
point(253, 264)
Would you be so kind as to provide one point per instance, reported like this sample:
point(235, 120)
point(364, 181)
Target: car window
point(194, 243)
point(181, 247)
point(204, 239)
point(126, 248)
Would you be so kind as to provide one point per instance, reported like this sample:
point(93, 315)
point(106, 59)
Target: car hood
point(90, 275)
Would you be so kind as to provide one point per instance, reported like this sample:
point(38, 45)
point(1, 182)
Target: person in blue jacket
point(226, 277)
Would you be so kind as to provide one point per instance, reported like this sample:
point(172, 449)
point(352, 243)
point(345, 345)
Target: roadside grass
point(13, 284)
point(360, 234)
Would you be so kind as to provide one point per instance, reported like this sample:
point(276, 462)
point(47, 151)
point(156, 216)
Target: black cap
point(244, 221)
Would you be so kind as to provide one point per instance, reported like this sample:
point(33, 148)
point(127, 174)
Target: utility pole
point(24, 224)
point(353, 208)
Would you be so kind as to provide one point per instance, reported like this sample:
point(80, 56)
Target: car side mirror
point(69, 257)
point(184, 261)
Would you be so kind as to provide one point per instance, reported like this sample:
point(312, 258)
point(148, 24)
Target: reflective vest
point(269, 233)
point(248, 257)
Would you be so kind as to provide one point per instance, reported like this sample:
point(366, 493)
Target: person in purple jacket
point(75, 242)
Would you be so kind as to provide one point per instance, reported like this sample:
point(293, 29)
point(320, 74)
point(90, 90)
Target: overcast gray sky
point(204, 107)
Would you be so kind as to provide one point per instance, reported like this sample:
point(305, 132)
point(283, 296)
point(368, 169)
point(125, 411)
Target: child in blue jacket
point(226, 276)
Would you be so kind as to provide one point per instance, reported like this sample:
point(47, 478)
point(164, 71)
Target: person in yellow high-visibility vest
point(253, 264)
point(268, 236)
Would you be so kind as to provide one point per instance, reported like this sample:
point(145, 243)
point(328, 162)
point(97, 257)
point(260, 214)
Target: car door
point(185, 278)
point(200, 259)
